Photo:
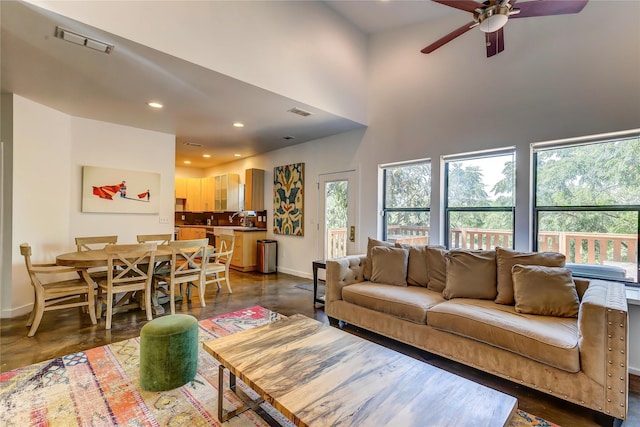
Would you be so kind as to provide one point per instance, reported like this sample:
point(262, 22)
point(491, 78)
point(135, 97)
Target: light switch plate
point(164, 220)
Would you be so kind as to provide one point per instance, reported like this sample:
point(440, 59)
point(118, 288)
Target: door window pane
point(336, 215)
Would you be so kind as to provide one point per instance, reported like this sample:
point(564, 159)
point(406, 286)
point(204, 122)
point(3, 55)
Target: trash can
point(267, 256)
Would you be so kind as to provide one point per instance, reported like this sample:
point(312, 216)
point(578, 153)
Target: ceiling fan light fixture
point(493, 18)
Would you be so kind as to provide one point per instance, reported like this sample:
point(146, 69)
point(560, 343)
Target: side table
point(316, 265)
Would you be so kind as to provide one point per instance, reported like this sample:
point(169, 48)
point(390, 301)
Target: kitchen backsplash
point(219, 218)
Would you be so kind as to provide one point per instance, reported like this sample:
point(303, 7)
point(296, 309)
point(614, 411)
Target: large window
point(406, 202)
point(480, 200)
point(587, 206)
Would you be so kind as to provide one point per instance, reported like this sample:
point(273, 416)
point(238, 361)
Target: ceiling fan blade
point(446, 39)
point(549, 7)
point(466, 5)
point(495, 42)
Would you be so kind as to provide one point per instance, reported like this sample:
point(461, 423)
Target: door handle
point(352, 234)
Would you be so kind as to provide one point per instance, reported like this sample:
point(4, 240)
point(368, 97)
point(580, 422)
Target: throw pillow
point(548, 291)
point(437, 268)
point(367, 265)
point(507, 258)
point(470, 274)
point(389, 265)
point(417, 272)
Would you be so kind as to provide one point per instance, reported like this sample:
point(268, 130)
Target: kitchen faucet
point(242, 216)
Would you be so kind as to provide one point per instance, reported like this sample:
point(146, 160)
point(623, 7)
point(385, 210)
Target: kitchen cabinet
point(190, 233)
point(245, 248)
point(181, 188)
point(227, 192)
point(194, 200)
point(207, 194)
point(254, 190)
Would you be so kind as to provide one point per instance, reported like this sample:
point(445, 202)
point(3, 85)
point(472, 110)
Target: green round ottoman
point(168, 352)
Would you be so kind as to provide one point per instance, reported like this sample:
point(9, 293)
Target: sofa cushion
point(389, 265)
point(418, 267)
point(507, 258)
point(408, 303)
point(437, 268)
point(368, 267)
point(470, 274)
point(546, 339)
point(548, 291)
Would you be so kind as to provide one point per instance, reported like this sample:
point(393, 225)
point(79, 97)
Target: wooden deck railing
point(336, 242)
point(581, 248)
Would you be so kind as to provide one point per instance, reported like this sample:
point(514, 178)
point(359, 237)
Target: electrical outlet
point(182, 217)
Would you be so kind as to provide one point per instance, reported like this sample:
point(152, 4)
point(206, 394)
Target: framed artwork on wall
point(120, 191)
point(288, 199)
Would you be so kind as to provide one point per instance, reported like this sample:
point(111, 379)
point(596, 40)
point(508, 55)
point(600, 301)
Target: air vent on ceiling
point(299, 112)
point(192, 144)
point(79, 39)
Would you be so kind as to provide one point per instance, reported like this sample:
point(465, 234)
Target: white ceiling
point(201, 104)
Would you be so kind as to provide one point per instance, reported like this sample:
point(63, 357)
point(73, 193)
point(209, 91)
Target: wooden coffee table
point(318, 375)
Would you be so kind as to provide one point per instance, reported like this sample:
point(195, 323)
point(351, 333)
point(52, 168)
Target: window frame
point(447, 160)
point(386, 210)
point(537, 210)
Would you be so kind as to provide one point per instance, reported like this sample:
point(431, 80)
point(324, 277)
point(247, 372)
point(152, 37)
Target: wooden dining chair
point(53, 295)
point(187, 258)
point(90, 244)
point(127, 279)
point(217, 269)
point(160, 239)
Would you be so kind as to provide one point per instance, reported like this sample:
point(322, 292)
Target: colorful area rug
point(100, 387)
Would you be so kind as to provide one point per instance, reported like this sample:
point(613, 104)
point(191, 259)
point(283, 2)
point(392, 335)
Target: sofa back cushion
point(437, 268)
point(418, 267)
point(470, 274)
point(507, 258)
point(389, 265)
point(547, 291)
point(368, 266)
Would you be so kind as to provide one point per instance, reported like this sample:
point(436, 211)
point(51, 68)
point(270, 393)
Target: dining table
point(99, 258)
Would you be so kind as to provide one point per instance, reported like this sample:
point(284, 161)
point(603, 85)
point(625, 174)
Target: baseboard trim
point(16, 311)
point(295, 272)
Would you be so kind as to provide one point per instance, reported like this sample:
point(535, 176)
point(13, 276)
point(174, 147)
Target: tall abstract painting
point(288, 199)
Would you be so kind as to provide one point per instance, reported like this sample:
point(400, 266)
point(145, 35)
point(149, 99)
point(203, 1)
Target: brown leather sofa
point(579, 356)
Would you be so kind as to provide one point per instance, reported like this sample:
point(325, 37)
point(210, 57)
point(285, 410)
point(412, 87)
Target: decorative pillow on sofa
point(389, 265)
point(418, 267)
point(470, 274)
point(437, 268)
point(367, 265)
point(548, 291)
point(507, 258)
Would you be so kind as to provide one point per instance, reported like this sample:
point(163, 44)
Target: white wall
point(305, 50)
point(50, 149)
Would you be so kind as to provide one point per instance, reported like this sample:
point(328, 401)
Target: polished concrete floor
point(68, 331)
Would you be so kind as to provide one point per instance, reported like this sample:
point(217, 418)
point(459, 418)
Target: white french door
point(337, 219)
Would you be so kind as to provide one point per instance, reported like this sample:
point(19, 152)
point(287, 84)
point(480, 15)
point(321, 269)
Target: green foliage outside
point(599, 174)
point(336, 204)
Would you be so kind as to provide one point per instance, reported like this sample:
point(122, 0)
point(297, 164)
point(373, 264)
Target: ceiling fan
point(492, 15)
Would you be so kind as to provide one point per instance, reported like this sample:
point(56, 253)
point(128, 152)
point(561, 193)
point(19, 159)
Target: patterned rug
point(99, 387)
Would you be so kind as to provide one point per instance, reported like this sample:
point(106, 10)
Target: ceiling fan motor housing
point(493, 17)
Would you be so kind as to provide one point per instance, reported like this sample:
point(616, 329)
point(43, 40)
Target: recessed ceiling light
point(187, 162)
point(154, 104)
point(206, 155)
point(237, 155)
point(238, 125)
